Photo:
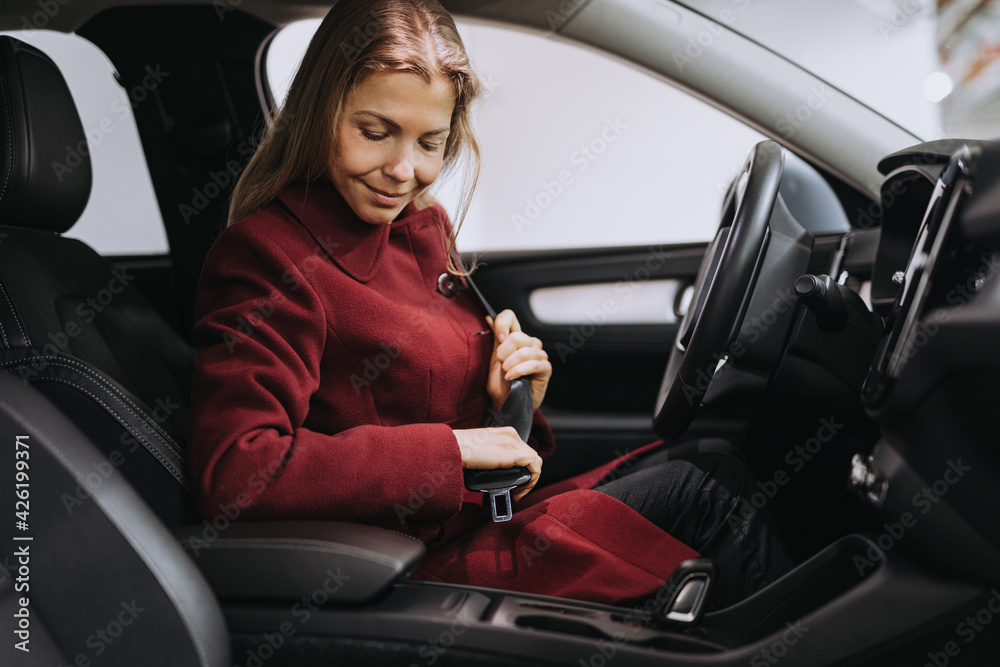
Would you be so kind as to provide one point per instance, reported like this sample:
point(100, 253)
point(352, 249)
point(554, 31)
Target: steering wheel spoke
point(723, 289)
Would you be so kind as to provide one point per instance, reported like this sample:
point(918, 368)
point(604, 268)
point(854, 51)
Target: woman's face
point(390, 142)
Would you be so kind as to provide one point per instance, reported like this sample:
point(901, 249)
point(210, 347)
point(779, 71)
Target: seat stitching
point(10, 136)
point(3, 334)
point(107, 384)
point(17, 318)
point(98, 377)
point(149, 446)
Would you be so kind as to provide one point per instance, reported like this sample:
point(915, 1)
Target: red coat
point(330, 377)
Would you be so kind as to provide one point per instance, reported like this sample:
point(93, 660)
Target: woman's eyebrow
point(388, 121)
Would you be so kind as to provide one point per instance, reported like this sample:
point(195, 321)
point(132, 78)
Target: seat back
point(100, 576)
point(71, 324)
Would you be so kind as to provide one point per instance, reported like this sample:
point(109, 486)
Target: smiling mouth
point(387, 195)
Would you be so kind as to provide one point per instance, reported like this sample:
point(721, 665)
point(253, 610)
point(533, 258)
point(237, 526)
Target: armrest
point(285, 560)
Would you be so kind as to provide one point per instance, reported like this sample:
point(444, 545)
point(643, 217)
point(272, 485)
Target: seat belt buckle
point(497, 485)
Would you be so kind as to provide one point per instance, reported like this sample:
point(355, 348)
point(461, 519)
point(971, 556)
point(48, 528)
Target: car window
point(122, 216)
point(579, 149)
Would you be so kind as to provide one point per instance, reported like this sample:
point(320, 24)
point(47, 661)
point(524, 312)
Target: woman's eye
point(373, 136)
point(430, 148)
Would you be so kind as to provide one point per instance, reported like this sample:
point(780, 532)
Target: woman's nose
point(400, 165)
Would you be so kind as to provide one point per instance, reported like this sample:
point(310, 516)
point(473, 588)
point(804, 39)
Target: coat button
point(447, 285)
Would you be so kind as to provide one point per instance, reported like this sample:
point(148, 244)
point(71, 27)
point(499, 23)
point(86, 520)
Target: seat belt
point(517, 412)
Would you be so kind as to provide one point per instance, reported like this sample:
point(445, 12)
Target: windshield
point(931, 67)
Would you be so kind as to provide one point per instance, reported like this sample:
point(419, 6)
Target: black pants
point(700, 501)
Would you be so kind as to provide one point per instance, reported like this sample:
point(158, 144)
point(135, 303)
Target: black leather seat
point(70, 323)
point(101, 383)
point(103, 577)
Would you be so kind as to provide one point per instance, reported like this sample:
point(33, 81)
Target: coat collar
point(353, 244)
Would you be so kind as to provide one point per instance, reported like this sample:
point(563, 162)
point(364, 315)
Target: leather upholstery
point(64, 298)
point(98, 555)
point(286, 560)
point(43, 149)
point(59, 299)
point(123, 427)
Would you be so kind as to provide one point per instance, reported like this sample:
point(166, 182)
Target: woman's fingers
point(505, 323)
point(515, 341)
point(530, 369)
point(516, 354)
point(492, 448)
point(526, 361)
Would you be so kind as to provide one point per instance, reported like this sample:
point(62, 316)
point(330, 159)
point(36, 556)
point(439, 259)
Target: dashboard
point(939, 271)
point(932, 385)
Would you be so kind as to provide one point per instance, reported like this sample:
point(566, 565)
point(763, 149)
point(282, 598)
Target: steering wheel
point(722, 291)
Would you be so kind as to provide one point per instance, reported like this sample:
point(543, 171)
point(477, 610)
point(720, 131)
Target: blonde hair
point(356, 38)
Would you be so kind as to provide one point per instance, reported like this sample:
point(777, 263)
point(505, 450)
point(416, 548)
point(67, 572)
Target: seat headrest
point(39, 128)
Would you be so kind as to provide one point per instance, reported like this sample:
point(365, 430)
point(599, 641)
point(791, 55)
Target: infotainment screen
point(906, 330)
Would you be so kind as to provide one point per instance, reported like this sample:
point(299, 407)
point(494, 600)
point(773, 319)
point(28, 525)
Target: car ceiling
point(17, 14)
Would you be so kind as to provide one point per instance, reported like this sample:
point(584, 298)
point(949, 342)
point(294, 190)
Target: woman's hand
point(515, 354)
point(492, 448)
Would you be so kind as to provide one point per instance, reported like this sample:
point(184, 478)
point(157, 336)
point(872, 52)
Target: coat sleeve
point(262, 329)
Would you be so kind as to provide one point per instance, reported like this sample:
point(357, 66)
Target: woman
point(341, 377)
